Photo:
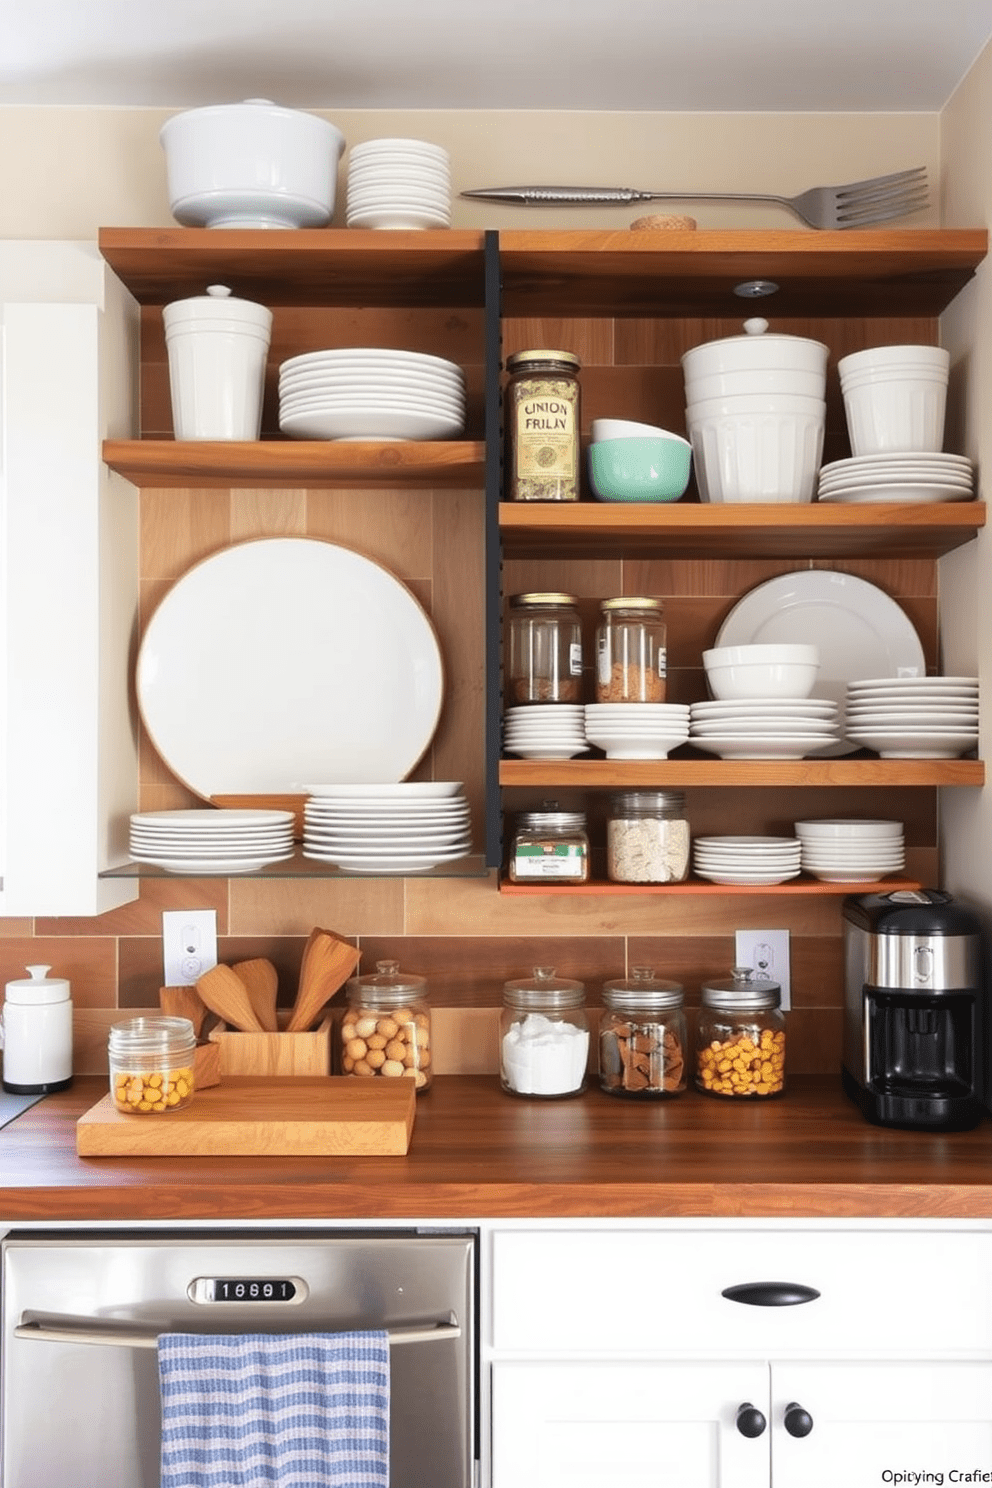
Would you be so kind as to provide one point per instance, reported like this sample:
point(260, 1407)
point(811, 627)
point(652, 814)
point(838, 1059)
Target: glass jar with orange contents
point(740, 1046)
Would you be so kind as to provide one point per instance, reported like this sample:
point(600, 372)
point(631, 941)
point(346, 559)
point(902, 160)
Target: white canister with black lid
point(36, 1033)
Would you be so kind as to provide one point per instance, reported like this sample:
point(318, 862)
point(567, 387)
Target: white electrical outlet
point(767, 953)
point(189, 945)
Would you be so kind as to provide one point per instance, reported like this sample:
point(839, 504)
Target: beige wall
point(65, 173)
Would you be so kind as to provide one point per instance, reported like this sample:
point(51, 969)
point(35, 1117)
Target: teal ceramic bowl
point(644, 469)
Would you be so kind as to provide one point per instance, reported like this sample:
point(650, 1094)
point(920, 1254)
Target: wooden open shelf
point(294, 463)
point(697, 886)
point(779, 774)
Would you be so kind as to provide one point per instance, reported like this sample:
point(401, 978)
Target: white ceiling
point(824, 56)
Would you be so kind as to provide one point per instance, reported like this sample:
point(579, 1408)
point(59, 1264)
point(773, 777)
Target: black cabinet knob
point(798, 1422)
point(750, 1421)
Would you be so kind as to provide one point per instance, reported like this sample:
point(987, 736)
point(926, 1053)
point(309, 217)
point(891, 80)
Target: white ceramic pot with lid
point(36, 1033)
point(757, 351)
point(218, 346)
point(251, 164)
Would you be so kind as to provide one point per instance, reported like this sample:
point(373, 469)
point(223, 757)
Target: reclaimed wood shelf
point(697, 886)
point(296, 462)
point(694, 530)
point(779, 774)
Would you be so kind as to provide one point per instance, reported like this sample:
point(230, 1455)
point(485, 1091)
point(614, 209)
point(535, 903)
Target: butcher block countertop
point(479, 1154)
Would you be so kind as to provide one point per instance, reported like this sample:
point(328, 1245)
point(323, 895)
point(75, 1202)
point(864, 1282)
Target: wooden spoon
point(328, 962)
point(183, 1002)
point(262, 983)
point(225, 993)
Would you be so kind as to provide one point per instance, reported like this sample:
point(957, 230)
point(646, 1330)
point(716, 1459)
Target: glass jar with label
point(386, 1030)
point(151, 1065)
point(544, 1035)
point(642, 1036)
point(541, 413)
point(647, 837)
point(631, 652)
point(545, 662)
point(740, 1045)
point(550, 846)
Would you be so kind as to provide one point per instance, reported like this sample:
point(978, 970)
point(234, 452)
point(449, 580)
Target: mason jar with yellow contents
point(740, 1047)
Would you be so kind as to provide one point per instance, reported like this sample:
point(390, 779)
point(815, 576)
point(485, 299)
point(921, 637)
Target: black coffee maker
point(914, 1018)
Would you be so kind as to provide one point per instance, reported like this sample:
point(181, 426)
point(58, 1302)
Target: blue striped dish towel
point(274, 1410)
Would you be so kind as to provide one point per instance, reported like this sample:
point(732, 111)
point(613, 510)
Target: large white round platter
point(370, 423)
point(859, 630)
point(249, 676)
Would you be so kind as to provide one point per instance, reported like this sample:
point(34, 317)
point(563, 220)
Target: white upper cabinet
point(68, 581)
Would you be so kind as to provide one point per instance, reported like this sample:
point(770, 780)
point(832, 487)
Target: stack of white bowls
point(839, 850)
point(399, 183)
point(371, 393)
point(637, 731)
point(914, 717)
point(551, 731)
point(755, 414)
point(895, 398)
point(746, 860)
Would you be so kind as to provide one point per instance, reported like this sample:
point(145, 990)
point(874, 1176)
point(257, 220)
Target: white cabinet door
point(588, 1425)
point(872, 1424)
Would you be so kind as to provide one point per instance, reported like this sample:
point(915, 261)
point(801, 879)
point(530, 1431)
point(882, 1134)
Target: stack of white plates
point(914, 717)
point(370, 392)
point(211, 840)
point(915, 477)
point(545, 731)
point(407, 828)
point(747, 860)
point(399, 183)
point(765, 728)
point(839, 850)
point(637, 731)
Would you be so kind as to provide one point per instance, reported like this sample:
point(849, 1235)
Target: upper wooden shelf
point(686, 274)
point(346, 267)
point(292, 463)
point(662, 774)
point(694, 530)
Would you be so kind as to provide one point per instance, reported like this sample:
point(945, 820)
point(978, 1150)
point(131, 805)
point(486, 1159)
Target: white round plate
point(248, 677)
point(715, 875)
point(767, 708)
point(210, 817)
point(893, 744)
point(371, 423)
point(420, 382)
point(405, 864)
point(379, 792)
point(925, 686)
point(733, 746)
point(210, 845)
point(859, 876)
point(911, 718)
point(399, 220)
point(364, 356)
point(547, 751)
point(890, 461)
point(859, 630)
point(765, 728)
point(202, 867)
point(906, 495)
point(639, 751)
point(750, 844)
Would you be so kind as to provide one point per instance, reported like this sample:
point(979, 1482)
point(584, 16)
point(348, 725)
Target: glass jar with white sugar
point(544, 1035)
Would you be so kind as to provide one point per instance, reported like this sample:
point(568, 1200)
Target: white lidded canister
point(218, 346)
point(36, 1033)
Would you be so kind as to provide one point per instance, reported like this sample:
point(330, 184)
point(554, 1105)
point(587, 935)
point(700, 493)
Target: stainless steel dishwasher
point(82, 1312)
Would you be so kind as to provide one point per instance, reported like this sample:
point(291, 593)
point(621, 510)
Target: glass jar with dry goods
point(541, 414)
point(545, 664)
point(543, 1035)
point(642, 1036)
point(151, 1065)
point(386, 1030)
point(740, 1046)
point(647, 837)
point(550, 846)
point(631, 651)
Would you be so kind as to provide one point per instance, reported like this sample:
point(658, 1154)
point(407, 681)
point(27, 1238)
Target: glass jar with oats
point(541, 415)
point(647, 838)
point(631, 651)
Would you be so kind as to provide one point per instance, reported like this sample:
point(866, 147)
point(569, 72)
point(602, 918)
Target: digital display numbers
point(253, 1289)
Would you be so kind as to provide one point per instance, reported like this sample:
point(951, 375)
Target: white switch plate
point(189, 945)
point(767, 952)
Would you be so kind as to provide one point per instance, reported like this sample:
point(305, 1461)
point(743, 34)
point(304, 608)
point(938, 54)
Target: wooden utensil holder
point(280, 1053)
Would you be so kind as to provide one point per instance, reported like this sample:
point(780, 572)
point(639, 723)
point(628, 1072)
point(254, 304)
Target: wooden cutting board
point(314, 1116)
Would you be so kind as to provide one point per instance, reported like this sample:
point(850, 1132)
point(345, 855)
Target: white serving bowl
point(611, 428)
point(756, 349)
point(761, 671)
point(834, 829)
point(251, 164)
point(773, 380)
point(757, 457)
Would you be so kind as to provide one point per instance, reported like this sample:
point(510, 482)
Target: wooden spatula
point(225, 994)
point(328, 962)
point(262, 984)
point(183, 1002)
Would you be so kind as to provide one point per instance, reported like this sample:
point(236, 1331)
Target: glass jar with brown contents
point(387, 1028)
point(545, 663)
point(542, 426)
point(631, 652)
point(642, 1036)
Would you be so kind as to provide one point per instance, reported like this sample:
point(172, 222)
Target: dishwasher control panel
point(209, 1289)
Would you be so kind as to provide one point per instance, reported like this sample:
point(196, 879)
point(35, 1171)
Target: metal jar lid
point(521, 360)
point(554, 821)
point(744, 992)
point(542, 599)
point(638, 602)
point(543, 990)
point(637, 803)
point(642, 991)
point(387, 985)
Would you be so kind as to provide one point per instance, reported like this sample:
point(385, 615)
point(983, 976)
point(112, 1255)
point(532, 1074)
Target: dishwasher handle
point(60, 1332)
